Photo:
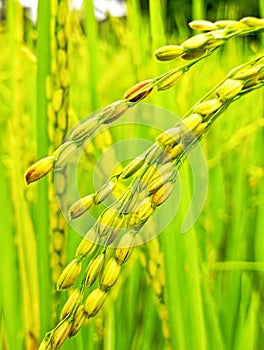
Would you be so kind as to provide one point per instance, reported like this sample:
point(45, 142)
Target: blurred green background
point(212, 277)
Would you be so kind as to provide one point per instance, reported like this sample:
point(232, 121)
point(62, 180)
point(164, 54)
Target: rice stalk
point(173, 142)
point(170, 147)
point(193, 50)
point(41, 134)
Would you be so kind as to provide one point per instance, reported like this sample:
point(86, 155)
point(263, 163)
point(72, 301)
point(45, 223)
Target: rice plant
point(127, 283)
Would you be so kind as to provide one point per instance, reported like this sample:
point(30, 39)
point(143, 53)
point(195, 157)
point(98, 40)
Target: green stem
point(41, 207)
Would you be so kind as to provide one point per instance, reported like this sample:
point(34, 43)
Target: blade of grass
point(156, 13)
point(184, 294)
point(8, 269)
point(94, 62)
point(198, 9)
point(41, 207)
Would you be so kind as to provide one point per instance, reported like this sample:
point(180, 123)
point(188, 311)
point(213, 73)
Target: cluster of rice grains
point(109, 243)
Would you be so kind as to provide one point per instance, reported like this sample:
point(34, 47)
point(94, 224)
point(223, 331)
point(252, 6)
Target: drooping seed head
point(39, 169)
point(69, 275)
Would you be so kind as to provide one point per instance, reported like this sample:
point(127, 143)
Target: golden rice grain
point(247, 73)
point(87, 244)
point(69, 275)
point(229, 89)
point(208, 107)
point(57, 99)
point(72, 302)
point(202, 25)
point(105, 191)
point(79, 319)
point(169, 80)
point(132, 168)
point(94, 302)
point(169, 137)
point(45, 345)
point(142, 214)
point(195, 53)
point(162, 194)
point(176, 151)
point(64, 153)
point(60, 334)
point(114, 111)
point(125, 247)
point(168, 52)
point(253, 21)
point(158, 182)
point(94, 269)
point(84, 129)
point(224, 23)
point(139, 91)
point(39, 169)
point(110, 274)
point(81, 206)
point(110, 220)
point(195, 42)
